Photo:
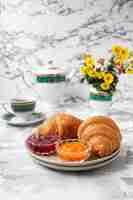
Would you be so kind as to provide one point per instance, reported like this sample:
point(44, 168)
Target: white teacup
point(20, 107)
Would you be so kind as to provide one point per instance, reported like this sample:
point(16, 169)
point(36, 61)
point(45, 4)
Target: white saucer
point(31, 120)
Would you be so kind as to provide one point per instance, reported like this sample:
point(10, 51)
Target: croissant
point(101, 133)
point(61, 124)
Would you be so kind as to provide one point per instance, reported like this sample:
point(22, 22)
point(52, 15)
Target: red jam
point(43, 146)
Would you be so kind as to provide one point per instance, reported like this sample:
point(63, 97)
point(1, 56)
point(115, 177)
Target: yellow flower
point(131, 65)
point(116, 50)
point(91, 73)
point(131, 62)
point(83, 70)
point(105, 86)
point(103, 73)
point(129, 71)
point(124, 53)
point(108, 78)
point(121, 53)
point(99, 75)
point(117, 61)
point(89, 61)
point(87, 71)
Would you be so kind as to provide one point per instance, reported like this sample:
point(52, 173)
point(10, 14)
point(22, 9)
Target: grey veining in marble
point(34, 32)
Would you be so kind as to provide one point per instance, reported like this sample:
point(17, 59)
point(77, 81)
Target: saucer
point(35, 118)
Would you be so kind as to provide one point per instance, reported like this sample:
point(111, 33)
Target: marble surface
point(35, 32)
point(21, 179)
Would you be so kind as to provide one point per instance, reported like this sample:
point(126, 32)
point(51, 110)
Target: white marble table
point(21, 179)
point(35, 32)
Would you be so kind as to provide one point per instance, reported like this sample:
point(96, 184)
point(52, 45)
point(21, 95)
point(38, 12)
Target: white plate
point(54, 160)
point(77, 168)
point(34, 119)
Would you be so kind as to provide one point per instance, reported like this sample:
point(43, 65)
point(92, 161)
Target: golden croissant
point(101, 133)
point(61, 124)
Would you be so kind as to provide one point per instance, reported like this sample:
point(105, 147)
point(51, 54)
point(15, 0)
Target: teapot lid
point(47, 70)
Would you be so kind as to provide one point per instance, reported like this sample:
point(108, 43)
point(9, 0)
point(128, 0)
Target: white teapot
point(50, 84)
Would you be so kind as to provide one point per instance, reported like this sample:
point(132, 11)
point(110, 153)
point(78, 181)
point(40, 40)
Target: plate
point(54, 160)
point(77, 168)
point(35, 118)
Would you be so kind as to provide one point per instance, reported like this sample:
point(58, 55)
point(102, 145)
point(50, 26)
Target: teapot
point(50, 84)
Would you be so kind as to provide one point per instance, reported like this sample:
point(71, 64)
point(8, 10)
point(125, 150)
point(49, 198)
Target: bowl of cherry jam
point(42, 146)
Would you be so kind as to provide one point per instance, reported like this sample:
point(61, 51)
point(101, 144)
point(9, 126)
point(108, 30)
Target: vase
point(100, 102)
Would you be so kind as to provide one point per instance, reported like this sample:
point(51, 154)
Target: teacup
point(21, 107)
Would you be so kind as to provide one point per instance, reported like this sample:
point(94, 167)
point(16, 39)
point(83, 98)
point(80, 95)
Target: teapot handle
point(29, 82)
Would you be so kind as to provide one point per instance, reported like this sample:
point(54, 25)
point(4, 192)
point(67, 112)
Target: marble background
point(34, 32)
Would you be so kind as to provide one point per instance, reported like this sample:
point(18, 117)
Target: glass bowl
point(72, 150)
point(42, 146)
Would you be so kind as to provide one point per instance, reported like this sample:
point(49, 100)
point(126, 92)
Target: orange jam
point(72, 150)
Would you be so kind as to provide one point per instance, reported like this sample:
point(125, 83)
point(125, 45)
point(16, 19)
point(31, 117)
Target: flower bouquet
point(103, 75)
